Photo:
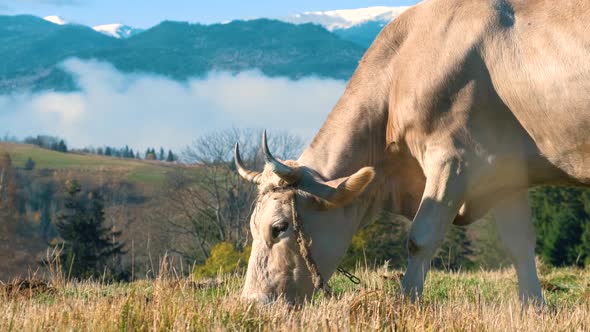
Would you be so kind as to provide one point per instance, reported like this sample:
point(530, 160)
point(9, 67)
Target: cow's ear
point(347, 189)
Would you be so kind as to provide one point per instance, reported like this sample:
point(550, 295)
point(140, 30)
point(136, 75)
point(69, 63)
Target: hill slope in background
point(130, 187)
point(140, 172)
point(32, 49)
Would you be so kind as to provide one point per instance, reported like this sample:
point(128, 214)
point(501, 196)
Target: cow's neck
point(353, 136)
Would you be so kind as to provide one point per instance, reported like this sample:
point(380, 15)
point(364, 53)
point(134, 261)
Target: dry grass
point(480, 301)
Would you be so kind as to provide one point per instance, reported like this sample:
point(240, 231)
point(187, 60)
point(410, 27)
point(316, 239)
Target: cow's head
point(325, 209)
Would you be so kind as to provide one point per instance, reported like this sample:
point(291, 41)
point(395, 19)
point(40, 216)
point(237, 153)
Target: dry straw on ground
point(478, 301)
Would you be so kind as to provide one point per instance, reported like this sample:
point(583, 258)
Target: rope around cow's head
point(304, 248)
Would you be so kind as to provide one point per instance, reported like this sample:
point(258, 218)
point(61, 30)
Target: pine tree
point(584, 247)
point(108, 151)
point(161, 155)
point(62, 147)
point(171, 157)
point(29, 164)
point(88, 245)
point(560, 216)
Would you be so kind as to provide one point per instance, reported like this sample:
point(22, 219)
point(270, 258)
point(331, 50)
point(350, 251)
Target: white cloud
point(68, 107)
point(114, 108)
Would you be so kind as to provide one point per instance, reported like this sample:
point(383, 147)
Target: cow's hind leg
point(515, 227)
point(443, 195)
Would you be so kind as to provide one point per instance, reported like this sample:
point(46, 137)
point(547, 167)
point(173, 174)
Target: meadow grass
point(453, 301)
point(139, 171)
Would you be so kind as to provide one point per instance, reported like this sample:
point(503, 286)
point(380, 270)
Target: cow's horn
point(289, 174)
point(251, 176)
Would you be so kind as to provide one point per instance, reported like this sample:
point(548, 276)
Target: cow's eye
point(278, 228)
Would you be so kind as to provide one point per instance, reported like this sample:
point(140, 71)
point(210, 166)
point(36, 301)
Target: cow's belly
point(558, 123)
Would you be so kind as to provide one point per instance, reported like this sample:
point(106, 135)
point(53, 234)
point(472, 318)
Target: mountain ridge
point(33, 48)
point(115, 30)
point(339, 19)
point(315, 44)
point(342, 19)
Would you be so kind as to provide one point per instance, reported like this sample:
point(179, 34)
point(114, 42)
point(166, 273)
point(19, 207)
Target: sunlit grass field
point(470, 301)
point(139, 171)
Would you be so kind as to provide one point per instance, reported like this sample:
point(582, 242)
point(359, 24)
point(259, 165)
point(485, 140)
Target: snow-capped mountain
point(346, 18)
point(332, 20)
point(117, 30)
point(55, 20)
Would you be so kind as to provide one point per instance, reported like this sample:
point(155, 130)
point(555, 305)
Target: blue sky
point(146, 13)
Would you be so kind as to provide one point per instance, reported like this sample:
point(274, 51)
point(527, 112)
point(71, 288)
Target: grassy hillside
point(480, 301)
point(137, 171)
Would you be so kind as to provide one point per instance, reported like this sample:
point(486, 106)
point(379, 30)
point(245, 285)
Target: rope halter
point(304, 248)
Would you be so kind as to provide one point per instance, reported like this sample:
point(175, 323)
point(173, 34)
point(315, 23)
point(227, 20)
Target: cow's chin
point(293, 287)
point(285, 290)
point(277, 275)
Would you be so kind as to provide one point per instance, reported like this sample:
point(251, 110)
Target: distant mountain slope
point(360, 26)
point(181, 50)
point(32, 48)
point(115, 30)
point(363, 34)
point(346, 18)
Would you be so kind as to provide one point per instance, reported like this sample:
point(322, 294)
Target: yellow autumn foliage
point(224, 258)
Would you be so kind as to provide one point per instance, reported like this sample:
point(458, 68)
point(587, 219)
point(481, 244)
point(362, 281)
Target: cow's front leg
point(442, 198)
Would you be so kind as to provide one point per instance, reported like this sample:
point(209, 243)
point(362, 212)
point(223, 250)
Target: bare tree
point(207, 202)
point(218, 146)
point(8, 211)
point(7, 189)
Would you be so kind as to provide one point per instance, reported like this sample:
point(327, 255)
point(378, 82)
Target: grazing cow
point(455, 110)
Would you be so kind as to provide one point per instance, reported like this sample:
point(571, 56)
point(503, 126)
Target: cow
point(456, 109)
